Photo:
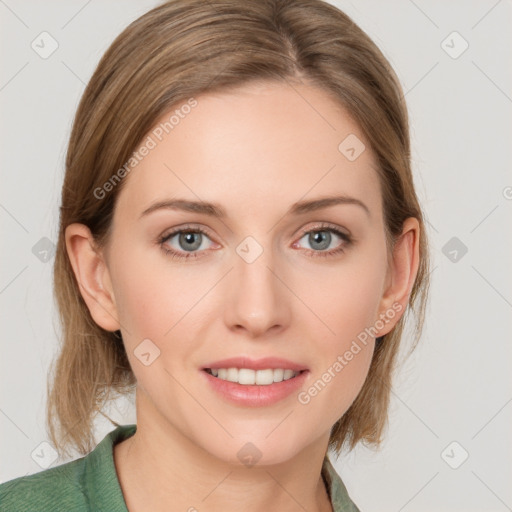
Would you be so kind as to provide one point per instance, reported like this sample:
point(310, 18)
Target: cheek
point(348, 305)
point(332, 392)
point(155, 302)
point(153, 296)
point(343, 356)
point(345, 298)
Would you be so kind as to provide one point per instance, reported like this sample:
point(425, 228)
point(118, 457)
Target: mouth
point(251, 377)
point(249, 382)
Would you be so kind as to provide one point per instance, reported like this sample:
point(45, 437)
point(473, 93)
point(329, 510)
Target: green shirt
point(91, 484)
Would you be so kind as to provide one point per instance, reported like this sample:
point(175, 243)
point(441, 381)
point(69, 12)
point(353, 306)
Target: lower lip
point(254, 395)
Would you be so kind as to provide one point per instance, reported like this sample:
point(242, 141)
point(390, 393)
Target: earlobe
point(403, 269)
point(93, 276)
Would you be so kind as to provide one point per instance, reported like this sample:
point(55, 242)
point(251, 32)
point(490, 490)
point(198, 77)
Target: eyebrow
point(215, 210)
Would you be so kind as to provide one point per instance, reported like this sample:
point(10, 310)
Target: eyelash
point(317, 229)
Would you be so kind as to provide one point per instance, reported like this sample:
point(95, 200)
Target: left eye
point(321, 239)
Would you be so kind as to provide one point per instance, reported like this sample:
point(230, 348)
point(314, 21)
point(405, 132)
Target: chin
point(259, 449)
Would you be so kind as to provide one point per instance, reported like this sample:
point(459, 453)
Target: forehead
point(255, 145)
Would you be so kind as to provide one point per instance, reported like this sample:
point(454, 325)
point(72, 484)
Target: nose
point(258, 301)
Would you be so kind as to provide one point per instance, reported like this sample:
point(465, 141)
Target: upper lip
point(256, 364)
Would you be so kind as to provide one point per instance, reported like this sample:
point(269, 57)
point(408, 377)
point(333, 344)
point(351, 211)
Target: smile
point(248, 376)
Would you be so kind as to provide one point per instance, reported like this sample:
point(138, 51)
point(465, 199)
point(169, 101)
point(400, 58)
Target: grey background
point(455, 388)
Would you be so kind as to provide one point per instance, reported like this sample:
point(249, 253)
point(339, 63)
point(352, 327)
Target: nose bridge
point(257, 302)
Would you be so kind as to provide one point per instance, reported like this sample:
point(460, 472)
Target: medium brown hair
point(179, 50)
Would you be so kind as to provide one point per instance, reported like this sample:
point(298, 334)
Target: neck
point(159, 468)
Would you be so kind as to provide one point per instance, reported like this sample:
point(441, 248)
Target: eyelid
point(187, 227)
point(327, 226)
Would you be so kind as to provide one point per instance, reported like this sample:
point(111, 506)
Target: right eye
point(187, 240)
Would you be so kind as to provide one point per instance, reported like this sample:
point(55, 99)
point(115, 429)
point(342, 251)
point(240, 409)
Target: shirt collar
point(336, 489)
point(100, 474)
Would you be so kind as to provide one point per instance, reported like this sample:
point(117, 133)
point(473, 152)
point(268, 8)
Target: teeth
point(288, 374)
point(250, 377)
point(278, 375)
point(232, 375)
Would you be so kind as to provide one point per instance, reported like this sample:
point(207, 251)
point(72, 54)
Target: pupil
point(321, 237)
point(188, 238)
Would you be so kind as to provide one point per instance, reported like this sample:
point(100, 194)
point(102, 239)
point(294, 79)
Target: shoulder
point(87, 483)
point(58, 488)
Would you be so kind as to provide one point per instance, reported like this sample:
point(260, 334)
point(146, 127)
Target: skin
point(255, 151)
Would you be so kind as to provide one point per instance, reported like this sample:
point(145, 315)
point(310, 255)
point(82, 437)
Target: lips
point(247, 373)
point(265, 363)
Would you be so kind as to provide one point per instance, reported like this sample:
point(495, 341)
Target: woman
point(239, 241)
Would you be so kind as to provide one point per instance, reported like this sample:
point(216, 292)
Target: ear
point(402, 271)
point(92, 275)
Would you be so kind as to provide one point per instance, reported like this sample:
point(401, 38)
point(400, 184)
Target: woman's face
point(268, 272)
